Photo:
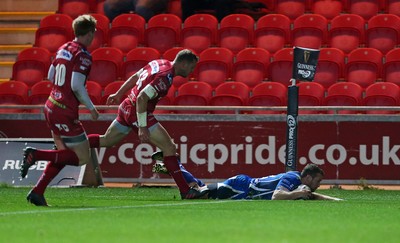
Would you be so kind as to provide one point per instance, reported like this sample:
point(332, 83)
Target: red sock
point(48, 175)
point(60, 157)
point(174, 170)
point(94, 140)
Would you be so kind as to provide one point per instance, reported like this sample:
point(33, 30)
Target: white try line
point(114, 207)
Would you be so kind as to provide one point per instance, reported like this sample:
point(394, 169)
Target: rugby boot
point(195, 193)
point(36, 199)
point(157, 156)
point(159, 167)
point(27, 161)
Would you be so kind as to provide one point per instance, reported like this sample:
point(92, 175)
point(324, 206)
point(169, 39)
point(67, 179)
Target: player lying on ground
point(285, 186)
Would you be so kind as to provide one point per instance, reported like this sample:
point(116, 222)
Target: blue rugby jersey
point(245, 187)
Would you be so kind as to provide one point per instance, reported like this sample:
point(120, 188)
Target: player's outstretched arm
point(284, 194)
point(317, 196)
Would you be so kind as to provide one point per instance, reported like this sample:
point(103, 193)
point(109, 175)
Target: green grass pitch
point(156, 214)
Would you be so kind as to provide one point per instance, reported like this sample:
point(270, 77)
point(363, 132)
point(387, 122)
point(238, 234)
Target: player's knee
point(169, 150)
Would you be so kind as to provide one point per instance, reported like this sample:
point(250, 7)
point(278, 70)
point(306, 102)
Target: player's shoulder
point(292, 174)
point(78, 49)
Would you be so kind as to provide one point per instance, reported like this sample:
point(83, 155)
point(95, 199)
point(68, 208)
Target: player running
point(285, 186)
point(148, 86)
point(68, 73)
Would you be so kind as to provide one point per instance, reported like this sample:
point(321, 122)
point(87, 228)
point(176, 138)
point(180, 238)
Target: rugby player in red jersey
point(68, 73)
point(148, 86)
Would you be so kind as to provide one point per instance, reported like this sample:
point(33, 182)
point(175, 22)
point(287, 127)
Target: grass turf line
point(158, 215)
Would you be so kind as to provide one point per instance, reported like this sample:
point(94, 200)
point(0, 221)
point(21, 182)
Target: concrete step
point(17, 35)
point(6, 70)
point(10, 52)
point(29, 5)
point(22, 19)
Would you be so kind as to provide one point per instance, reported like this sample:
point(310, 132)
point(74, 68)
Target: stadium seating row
point(290, 8)
point(227, 94)
point(250, 66)
point(235, 32)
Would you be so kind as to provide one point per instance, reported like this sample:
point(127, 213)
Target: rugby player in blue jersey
point(285, 186)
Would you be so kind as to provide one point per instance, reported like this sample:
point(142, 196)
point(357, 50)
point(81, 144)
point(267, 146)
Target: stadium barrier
point(10, 164)
point(349, 147)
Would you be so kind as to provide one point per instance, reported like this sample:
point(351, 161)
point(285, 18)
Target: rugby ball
point(303, 187)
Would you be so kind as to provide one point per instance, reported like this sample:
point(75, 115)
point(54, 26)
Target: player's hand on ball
point(304, 192)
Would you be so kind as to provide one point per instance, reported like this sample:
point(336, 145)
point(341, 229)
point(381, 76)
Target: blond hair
point(84, 24)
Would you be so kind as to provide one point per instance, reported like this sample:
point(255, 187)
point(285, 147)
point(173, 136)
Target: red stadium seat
point(251, 66)
point(382, 94)
point(268, 94)
point(111, 88)
point(101, 34)
point(363, 66)
point(344, 94)
point(39, 94)
point(54, 31)
point(73, 8)
point(310, 94)
point(364, 8)
point(136, 59)
point(215, 66)
point(106, 65)
point(13, 93)
point(32, 65)
point(280, 69)
point(166, 25)
point(126, 32)
point(272, 32)
point(230, 94)
point(331, 63)
point(199, 32)
point(347, 32)
point(290, 8)
point(310, 31)
point(97, 6)
point(383, 32)
point(170, 55)
point(391, 67)
point(95, 91)
point(327, 8)
point(193, 94)
point(236, 32)
point(392, 7)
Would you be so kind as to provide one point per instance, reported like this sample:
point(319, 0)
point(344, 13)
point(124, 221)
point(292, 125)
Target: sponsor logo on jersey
point(85, 61)
point(64, 54)
point(161, 85)
point(57, 95)
point(154, 67)
point(83, 68)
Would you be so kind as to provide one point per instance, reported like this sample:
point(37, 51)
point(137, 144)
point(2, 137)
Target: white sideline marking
point(113, 207)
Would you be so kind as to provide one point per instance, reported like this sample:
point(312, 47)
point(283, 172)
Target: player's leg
point(236, 187)
point(36, 195)
point(159, 167)
point(74, 148)
point(161, 139)
point(115, 133)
